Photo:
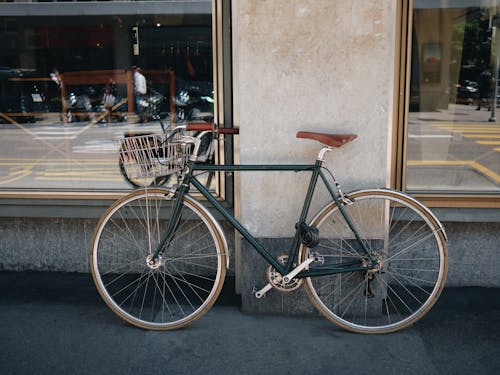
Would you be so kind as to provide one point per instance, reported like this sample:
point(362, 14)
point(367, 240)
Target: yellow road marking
point(56, 162)
point(476, 131)
point(497, 128)
point(60, 170)
point(469, 163)
point(466, 124)
point(488, 172)
point(16, 175)
point(468, 130)
point(481, 136)
point(79, 173)
point(66, 179)
point(494, 131)
point(437, 162)
point(488, 142)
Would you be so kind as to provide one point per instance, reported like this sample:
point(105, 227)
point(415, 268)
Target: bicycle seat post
point(322, 152)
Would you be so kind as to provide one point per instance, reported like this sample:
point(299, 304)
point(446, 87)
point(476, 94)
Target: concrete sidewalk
point(57, 324)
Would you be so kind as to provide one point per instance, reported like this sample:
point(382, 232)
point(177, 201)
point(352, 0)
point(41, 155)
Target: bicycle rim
point(411, 249)
point(182, 285)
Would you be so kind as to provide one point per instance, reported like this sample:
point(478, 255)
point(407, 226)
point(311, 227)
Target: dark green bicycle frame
point(315, 169)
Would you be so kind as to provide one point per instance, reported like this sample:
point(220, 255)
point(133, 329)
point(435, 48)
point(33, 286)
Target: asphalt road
point(56, 324)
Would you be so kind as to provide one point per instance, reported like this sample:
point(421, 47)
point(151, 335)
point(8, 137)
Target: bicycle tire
point(408, 241)
point(186, 280)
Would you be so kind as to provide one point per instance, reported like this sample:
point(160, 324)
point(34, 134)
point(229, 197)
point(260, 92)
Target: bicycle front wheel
point(410, 247)
point(185, 280)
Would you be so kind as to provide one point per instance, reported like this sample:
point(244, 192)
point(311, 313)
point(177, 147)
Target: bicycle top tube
point(328, 141)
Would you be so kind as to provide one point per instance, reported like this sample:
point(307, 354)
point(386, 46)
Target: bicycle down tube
point(284, 269)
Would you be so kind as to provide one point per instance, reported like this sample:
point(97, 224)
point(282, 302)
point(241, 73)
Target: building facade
point(416, 80)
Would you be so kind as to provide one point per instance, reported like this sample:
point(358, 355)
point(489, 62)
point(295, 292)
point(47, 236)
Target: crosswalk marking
point(47, 133)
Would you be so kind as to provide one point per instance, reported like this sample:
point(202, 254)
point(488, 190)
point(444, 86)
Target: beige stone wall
point(317, 65)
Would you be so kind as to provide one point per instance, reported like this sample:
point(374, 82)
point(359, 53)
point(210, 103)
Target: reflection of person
point(56, 77)
point(140, 89)
point(485, 81)
point(109, 99)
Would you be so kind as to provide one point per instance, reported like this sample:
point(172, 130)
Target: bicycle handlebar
point(210, 126)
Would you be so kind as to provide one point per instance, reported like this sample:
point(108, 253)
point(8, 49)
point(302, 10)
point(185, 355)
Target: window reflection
point(67, 86)
point(453, 142)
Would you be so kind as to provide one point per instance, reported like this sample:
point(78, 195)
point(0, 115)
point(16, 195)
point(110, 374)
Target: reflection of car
point(467, 91)
point(21, 98)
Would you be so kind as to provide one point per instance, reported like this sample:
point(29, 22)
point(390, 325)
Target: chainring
point(276, 279)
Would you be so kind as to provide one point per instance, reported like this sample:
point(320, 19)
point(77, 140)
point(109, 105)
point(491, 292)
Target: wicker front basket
point(149, 156)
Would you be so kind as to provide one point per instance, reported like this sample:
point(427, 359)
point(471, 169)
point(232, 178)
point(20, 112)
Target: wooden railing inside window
point(106, 78)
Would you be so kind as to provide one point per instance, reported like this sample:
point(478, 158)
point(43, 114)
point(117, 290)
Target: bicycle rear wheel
point(186, 279)
point(410, 246)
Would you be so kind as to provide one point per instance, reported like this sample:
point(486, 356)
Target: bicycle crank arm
point(286, 279)
point(302, 266)
point(261, 293)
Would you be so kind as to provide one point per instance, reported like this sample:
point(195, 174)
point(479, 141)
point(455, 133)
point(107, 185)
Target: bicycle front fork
point(173, 224)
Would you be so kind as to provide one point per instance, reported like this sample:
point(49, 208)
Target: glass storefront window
point(453, 137)
point(68, 86)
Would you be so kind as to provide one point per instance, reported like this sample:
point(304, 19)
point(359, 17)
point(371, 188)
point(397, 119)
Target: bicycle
point(371, 261)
